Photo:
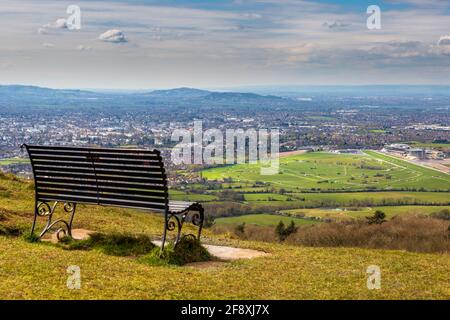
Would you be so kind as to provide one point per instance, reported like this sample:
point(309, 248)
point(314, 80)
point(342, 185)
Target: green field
point(262, 220)
point(5, 162)
point(328, 171)
point(380, 198)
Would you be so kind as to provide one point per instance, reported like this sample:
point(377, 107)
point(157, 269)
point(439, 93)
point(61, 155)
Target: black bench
point(128, 178)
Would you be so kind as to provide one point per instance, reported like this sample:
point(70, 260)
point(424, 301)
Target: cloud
point(444, 41)
point(83, 48)
point(48, 45)
point(252, 16)
point(60, 24)
point(113, 35)
point(336, 25)
point(5, 65)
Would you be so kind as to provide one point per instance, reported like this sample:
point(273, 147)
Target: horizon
point(232, 89)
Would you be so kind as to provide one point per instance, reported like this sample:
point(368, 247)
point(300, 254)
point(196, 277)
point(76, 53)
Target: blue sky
point(133, 44)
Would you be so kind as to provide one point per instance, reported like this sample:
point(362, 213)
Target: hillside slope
point(39, 270)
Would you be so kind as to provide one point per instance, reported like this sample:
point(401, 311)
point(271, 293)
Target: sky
point(140, 44)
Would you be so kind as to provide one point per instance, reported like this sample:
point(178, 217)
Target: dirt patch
point(77, 234)
point(231, 253)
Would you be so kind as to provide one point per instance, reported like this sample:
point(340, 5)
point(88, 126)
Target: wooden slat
point(95, 161)
point(103, 183)
point(63, 187)
point(89, 171)
point(117, 150)
point(88, 154)
point(98, 177)
point(41, 164)
point(102, 195)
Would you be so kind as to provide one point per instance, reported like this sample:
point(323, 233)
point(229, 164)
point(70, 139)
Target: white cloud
point(48, 45)
point(60, 23)
point(336, 25)
point(444, 41)
point(84, 48)
point(113, 35)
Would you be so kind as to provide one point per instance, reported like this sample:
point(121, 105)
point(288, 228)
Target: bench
point(127, 178)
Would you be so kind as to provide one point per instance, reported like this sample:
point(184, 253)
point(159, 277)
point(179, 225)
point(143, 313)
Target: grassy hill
point(39, 270)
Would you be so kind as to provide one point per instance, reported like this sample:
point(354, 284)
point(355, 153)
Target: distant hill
point(179, 93)
point(16, 98)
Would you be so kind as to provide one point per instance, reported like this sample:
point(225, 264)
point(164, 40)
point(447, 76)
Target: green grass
point(328, 171)
point(373, 198)
point(5, 162)
point(39, 271)
point(265, 197)
point(262, 220)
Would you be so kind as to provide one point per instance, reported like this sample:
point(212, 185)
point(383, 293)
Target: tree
point(240, 228)
point(378, 218)
point(209, 221)
point(283, 232)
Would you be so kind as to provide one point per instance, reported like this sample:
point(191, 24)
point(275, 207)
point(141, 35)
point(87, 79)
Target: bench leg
point(174, 221)
point(44, 209)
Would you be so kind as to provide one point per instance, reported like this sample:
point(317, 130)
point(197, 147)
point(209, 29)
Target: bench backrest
point(132, 178)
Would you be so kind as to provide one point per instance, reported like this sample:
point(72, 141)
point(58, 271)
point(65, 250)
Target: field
point(332, 186)
point(337, 214)
point(321, 171)
point(5, 162)
point(347, 213)
point(39, 270)
point(262, 220)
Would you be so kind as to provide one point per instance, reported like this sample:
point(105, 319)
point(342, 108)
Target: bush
point(417, 234)
point(31, 237)
point(443, 214)
point(188, 250)
point(377, 218)
point(284, 232)
point(209, 221)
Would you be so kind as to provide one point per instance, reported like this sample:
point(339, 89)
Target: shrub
point(377, 218)
point(442, 214)
point(417, 234)
point(209, 221)
point(283, 232)
point(240, 228)
point(188, 250)
point(31, 237)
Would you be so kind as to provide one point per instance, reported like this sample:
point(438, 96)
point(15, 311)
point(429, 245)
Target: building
point(417, 153)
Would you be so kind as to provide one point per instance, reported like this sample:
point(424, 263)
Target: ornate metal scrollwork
point(176, 221)
point(44, 209)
